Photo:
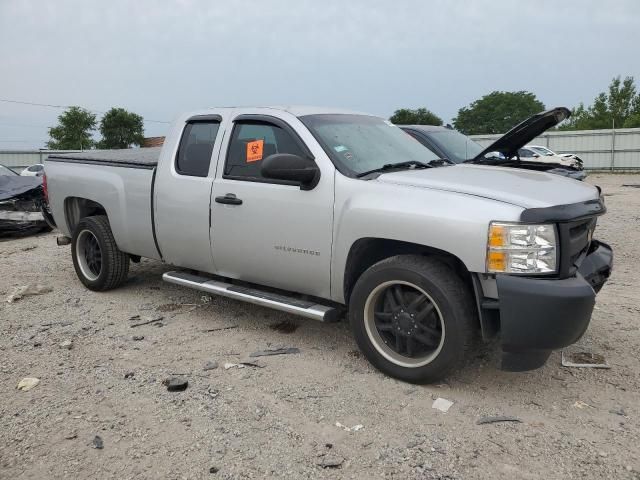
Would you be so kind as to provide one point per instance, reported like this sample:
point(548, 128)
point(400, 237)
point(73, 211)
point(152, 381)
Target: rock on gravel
point(176, 384)
point(28, 383)
point(98, 442)
point(210, 365)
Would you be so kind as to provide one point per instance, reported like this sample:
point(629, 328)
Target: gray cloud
point(161, 58)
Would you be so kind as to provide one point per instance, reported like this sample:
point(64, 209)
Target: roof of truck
point(297, 110)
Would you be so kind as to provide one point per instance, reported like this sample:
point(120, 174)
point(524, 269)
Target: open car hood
point(523, 133)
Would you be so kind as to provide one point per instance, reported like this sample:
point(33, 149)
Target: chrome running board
point(309, 309)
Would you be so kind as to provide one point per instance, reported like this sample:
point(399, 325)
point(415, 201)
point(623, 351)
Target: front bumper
point(541, 315)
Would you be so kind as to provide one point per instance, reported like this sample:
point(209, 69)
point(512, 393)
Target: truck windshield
point(360, 143)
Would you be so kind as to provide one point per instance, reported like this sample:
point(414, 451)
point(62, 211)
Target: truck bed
point(129, 157)
point(118, 181)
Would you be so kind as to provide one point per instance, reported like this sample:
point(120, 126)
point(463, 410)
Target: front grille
point(574, 243)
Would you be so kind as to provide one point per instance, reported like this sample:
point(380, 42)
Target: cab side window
point(251, 142)
point(196, 147)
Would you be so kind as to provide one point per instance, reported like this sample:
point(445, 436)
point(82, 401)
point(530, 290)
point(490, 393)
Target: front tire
point(98, 262)
point(412, 317)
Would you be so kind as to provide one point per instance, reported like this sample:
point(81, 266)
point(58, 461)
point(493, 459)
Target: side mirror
point(286, 166)
point(535, 155)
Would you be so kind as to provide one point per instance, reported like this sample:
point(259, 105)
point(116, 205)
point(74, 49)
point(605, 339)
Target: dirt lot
point(280, 420)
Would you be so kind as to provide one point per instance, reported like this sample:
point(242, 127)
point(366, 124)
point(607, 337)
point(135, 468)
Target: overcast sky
point(159, 58)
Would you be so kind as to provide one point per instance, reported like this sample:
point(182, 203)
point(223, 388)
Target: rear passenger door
point(183, 192)
point(269, 231)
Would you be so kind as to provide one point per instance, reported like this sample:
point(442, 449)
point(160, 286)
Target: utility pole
point(613, 142)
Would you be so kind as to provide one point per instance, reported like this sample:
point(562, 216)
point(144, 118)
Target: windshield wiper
point(438, 162)
point(488, 161)
point(412, 164)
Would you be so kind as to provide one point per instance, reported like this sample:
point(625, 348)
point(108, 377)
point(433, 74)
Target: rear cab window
point(196, 147)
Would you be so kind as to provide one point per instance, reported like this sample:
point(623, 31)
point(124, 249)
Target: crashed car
point(23, 208)
point(507, 151)
point(540, 150)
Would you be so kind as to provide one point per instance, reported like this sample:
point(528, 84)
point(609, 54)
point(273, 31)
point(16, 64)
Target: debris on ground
point(632, 185)
point(498, 419)
point(66, 344)
point(176, 384)
point(275, 351)
point(214, 470)
point(227, 366)
point(442, 404)
point(145, 320)
point(129, 375)
point(71, 436)
point(138, 338)
point(285, 326)
point(210, 365)
point(97, 442)
point(618, 411)
point(583, 359)
point(28, 383)
point(217, 329)
point(581, 404)
point(169, 307)
point(355, 428)
point(331, 461)
point(26, 291)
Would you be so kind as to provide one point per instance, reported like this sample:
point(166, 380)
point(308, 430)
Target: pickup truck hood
point(524, 188)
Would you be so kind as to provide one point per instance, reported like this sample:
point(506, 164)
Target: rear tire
point(413, 318)
point(98, 262)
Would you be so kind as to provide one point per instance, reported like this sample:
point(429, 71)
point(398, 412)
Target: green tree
point(73, 130)
point(121, 129)
point(619, 107)
point(419, 116)
point(497, 112)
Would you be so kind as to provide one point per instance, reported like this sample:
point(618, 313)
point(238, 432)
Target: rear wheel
point(412, 317)
point(98, 262)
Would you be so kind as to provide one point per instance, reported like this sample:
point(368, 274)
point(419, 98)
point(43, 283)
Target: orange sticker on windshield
point(254, 150)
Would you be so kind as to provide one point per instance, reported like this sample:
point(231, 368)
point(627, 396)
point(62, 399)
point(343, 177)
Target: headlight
point(521, 248)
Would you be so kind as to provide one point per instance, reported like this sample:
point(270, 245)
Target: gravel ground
point(280, 420)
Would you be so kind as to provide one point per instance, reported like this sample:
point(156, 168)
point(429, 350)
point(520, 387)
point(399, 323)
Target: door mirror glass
point(290, 167)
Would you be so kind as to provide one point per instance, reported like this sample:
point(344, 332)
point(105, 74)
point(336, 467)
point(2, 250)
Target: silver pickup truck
point(316, 211)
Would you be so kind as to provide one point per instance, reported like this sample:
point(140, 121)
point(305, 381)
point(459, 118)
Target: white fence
point(599, 149)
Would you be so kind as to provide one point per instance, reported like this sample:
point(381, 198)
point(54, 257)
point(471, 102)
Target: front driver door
point(267, 231)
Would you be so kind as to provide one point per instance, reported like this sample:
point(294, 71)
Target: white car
point(545, 152)
point(33, 171)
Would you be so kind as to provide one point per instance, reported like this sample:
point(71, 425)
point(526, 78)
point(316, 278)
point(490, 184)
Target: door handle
point(229, 199)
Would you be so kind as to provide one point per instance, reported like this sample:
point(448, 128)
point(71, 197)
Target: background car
point(507, 151)
point(23, 207)
point(33, 171)
point(7, 172)
point(545, 151)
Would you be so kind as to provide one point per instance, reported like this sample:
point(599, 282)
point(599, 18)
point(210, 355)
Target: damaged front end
point(22, 205)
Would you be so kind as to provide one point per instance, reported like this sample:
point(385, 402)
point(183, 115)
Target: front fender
point(455, 223)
